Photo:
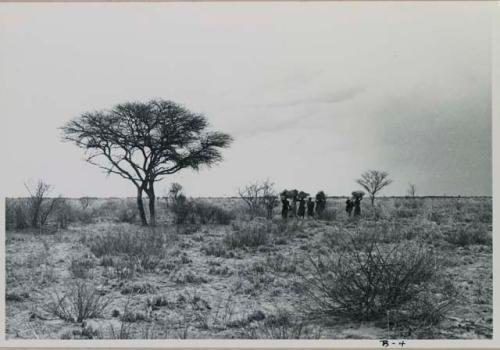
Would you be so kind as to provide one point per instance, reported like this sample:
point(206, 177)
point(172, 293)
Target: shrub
point(195, 212)
point(182, 210)
point(281, 325)
point(147, 248)
point(80, 267)
point(362, 279)
point(251, 234)
point(81, 302)
point(404, 213)
point(327, 215)
point(64, 213)
point(211, 214)
point(138, 288)
point(16, 214)
point(215, 249)
point(261, 198)
point(126, 213)
point(189, 277)
point(470, 234)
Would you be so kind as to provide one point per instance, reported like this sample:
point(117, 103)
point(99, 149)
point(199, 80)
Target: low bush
point(64, 213)
point(189, 277)
point(249, 234)
point(468, 235)
point(126, 213)
point(362, 278)
point(146, 248)
point(216, 249)
point(188, 211)
point(81, 267)
point(281, 325)
point(212, 214)
point(138, 288)
point(404, 213)
point(81, 302)
point(16, 214)
point(327, 215)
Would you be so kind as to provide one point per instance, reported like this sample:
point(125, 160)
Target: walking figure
point(284, 209)
point(357, 206)
point(349, 205)
point(310, 208)
point(302, 208)
point(294, 206)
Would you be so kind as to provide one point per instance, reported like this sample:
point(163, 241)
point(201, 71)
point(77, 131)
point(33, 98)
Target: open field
point(408, 268)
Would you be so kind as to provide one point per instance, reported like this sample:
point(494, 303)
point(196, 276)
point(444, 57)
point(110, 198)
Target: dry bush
point(464, 235)
point(81, 302)
point(16, 214)
point(327, 215)
point(138, 288)
point(281, 325)
point(146, 248)
point(197, 212)
point(361, 278)
point(82, 266)
point(211, 214)
point(126, 213)
point(248, 234)
point(261, 198)
point(217, 249)
point(64, 213)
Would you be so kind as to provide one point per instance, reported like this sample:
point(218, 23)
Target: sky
point(313, 93)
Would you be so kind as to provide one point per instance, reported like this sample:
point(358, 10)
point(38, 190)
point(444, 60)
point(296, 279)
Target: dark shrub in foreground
point(81, 302)
point(362, 278)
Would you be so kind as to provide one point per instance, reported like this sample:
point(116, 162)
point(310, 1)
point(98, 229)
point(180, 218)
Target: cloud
point(335, 97)
point(298, 111)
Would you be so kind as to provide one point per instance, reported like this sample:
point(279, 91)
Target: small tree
point(260, 197)
point(39, 207)
point(269, 198)
point(412, 190)
point(373, 181)
point(143, 142)
point(250, 195)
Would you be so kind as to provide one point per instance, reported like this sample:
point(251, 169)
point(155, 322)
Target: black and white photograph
point(247, 170)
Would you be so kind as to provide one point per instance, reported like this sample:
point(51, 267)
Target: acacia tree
point(373, 181)
point(143, 142)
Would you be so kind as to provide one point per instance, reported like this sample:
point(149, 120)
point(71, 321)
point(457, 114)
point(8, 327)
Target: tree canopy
point(373, 181)
point(143, 142)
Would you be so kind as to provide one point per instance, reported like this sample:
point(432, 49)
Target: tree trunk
point(152, 201)
point(373, 200)
point(140, 205)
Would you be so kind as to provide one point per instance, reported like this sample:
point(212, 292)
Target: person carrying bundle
point(302, 208)
point(358, 196)
point(349, 205)
point(284, 209)
point(310, 208)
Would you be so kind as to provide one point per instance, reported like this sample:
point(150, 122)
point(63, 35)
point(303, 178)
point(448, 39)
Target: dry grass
point(407, 268)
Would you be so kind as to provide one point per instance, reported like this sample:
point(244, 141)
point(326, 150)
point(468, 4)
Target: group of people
point(287, 210)
point(314, 208)
point(353, 203)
